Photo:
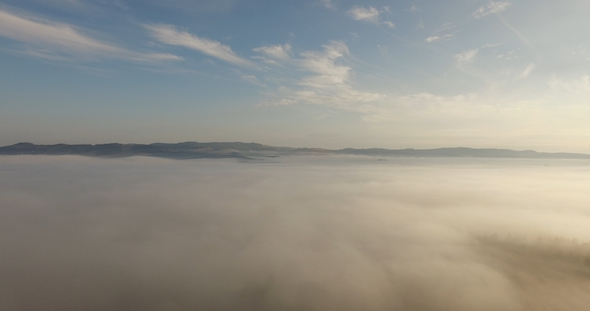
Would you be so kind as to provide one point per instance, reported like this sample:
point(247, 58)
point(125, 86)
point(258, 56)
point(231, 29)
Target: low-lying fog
point(300, 233)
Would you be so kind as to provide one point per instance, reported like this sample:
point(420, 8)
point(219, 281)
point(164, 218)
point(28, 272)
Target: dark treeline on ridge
point(194, 150)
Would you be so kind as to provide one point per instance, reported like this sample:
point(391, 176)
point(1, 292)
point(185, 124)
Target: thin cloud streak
point(328, 4)
point(325, 66)
point(370, 14)
point(445, 32)
point(328, 83)
point(466, 57)
point(528, 71)
point(275, 51)
point(26, 30)
point(54, 37)
point(491, 8)
point(446, 37)
point(522, 38)
point(168, 34)
point(389, 24)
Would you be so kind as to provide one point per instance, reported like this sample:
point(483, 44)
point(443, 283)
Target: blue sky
point(316, 73)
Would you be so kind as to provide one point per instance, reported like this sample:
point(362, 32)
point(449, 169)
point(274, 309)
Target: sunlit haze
point(280, 155)
point(313, 73)
point(299, 233)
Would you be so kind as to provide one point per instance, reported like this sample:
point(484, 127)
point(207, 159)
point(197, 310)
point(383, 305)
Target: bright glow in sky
point(315, 73)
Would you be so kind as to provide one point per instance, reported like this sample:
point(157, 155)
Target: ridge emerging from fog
point(194, 150)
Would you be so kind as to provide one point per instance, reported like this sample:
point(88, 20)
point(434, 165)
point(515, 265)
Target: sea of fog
point(294, 233)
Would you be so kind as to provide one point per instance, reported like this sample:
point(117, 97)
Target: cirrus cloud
point(466, 56)
point(169, 34)
point(370, 15)
point(275, 51)
point(50, 39)
point(491, 8)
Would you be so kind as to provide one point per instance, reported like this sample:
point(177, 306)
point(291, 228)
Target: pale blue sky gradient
point(315, 73)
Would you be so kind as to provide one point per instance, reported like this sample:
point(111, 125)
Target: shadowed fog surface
point(302, 233)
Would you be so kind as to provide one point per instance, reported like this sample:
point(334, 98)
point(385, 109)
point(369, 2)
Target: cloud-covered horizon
point(298, 233)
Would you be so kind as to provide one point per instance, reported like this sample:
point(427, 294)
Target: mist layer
point(302, 233)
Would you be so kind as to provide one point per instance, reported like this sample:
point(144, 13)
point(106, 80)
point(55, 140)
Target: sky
point(306, 73)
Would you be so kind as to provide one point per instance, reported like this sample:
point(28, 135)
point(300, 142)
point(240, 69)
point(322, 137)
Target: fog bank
point(301, 233)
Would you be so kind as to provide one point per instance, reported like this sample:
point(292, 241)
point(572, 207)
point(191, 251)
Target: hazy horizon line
point(290, 147)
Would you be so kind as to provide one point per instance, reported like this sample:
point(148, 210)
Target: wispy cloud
point(275, 51)
point(323, 64)
point(187, 6)
point(168, 34)
point(466, 57)
point(55, 34)
point(432, 39)
point(527, 71)
point(369, 15)
point(413, 9)
point(491, 8)
point(424, 106)
point(53, 39)
point(579, 87)
point(522, 38)
point(327, 84)
point(253, 79)
point(327, 3)
point(389, 24)
point(445, 37)
point(445, 32)
point(490, 45)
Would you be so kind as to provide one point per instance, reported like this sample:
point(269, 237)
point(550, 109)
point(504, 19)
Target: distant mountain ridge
point(465, 152)
point(184, 150)
point(195, 150)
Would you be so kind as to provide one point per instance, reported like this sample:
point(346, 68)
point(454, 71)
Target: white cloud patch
point(328, 83)
point(162, 56)
point(432, 39)
point(445, 32)
point(370, 14)
point(413, 9)
point(327, 3)
point(275, 51)
point(324, 64)
point(491, 8)
point(52, 39)
point(168, 34)
point(389, 24)
point(435, 38)
point(466, 57)
point(490, 45)
point(527, 71)
point(252, 79)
